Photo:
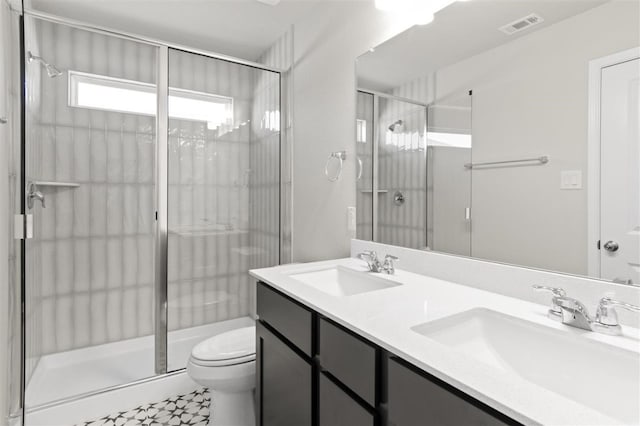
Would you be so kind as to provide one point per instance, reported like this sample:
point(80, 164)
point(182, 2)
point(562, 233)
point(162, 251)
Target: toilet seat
point(229, 348)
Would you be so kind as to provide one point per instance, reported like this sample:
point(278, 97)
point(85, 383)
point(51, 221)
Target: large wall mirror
point(507, 131)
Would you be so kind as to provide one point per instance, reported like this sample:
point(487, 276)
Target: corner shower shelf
point(60, 184)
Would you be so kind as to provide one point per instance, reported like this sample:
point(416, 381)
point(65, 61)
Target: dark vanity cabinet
point(286, 381)
point(416, 398)
point(312, 371)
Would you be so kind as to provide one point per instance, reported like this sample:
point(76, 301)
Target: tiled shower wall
point(280, 55)
point(364, 151)
point(223, 192)
point(33, 311)
point(91, 264)
point(402, 167)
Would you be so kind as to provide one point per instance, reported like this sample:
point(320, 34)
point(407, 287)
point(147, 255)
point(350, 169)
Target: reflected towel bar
point(60, 184)
point(541, 160)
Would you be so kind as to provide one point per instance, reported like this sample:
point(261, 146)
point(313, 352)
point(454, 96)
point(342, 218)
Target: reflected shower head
point(52, 71)
point(396, 125)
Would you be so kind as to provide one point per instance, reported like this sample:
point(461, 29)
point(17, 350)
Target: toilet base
point(232, 408)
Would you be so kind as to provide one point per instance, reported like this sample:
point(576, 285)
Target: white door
point(620, 172)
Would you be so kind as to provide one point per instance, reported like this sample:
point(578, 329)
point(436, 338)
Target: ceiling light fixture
point(420, 12)
point(269, 2)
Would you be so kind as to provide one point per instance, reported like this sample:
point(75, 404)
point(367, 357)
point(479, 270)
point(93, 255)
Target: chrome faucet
point(374, 264)
point(607, 317)
point(572, 312)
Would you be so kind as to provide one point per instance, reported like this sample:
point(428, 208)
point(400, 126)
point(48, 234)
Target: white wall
point(326, 46)
point(530, 99)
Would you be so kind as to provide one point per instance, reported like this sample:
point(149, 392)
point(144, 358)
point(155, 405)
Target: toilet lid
point(237, 345)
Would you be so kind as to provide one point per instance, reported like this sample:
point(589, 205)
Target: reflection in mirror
point(549, 93)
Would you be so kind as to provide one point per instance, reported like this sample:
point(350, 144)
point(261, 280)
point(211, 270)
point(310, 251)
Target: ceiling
point(239, 28)
point(459, 31)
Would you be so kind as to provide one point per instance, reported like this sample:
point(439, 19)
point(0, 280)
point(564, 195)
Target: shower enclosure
point(148, 184)
point(392, 191)
point(413, 173)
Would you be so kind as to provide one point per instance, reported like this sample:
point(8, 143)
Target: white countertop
point(385, 317)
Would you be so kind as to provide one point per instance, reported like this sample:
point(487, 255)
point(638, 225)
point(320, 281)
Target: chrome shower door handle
point(34, 194)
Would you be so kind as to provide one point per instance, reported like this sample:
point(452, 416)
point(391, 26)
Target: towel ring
point(340, 156)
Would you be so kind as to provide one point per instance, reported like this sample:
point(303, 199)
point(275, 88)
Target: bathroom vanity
point(312, 371)
point(339, 345)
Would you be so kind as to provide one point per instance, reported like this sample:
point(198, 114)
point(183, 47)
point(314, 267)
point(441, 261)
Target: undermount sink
point(341, 281)
point(597, 375)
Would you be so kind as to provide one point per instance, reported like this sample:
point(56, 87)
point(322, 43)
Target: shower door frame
point(375, 166)
point(161, 196)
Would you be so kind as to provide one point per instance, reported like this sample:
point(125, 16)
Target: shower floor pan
point(63, 375)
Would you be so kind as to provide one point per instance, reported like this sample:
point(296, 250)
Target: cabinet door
point(339, 409)
point(283, 390)
point(417, 400)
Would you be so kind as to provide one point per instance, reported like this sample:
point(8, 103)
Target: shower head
point(393, 127)
point(52, 71)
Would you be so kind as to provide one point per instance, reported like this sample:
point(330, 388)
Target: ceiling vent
point(521, 24)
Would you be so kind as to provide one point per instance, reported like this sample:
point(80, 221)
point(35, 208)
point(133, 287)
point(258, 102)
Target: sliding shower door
point(89, 182)
point(223, 201)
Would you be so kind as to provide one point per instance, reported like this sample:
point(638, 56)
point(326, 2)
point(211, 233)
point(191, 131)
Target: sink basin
point(341, 281)
point(597, 375)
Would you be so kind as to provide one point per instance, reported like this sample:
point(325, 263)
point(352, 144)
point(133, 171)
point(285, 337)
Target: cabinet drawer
point(339, 409)
point(416, 399)
point(349, 359)
point(291, 319)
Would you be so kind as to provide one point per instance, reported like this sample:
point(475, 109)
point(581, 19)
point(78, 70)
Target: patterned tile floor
point(191, 409)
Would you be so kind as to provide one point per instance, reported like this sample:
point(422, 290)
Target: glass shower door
point(449, 181)
point(401, 173)
point(89, 182)
point(223, 199)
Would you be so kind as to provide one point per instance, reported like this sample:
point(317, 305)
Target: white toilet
point(226, 365)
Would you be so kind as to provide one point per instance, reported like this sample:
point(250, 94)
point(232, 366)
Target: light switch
point(351, 220)
point(571, 179)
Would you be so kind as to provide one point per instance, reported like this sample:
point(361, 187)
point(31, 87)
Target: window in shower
point(106, 93)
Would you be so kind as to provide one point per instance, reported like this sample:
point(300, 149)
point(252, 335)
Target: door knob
point(611, 246)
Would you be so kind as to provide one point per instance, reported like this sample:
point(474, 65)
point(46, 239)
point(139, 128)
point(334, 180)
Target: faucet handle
point(388, 264)
point(370, 254)
point(606, 313)
point(556, 291)
point(555, 312)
